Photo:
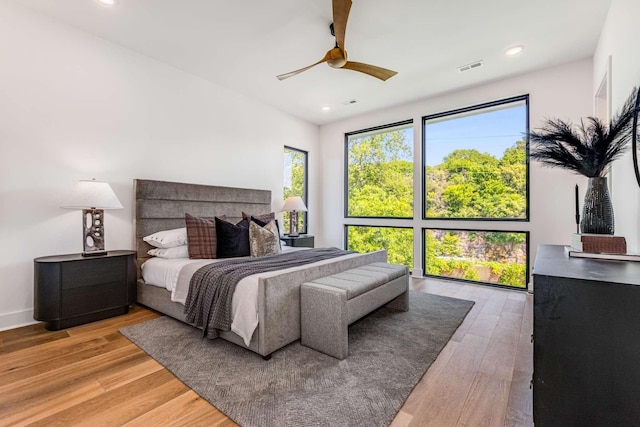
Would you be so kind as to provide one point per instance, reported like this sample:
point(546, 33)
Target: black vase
point(597, 212)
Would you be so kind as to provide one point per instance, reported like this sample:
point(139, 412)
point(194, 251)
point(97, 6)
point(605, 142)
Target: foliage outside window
point(398, 242)
point(476, 162)
point(295, 183)
point(494, 257)
point(379, 165)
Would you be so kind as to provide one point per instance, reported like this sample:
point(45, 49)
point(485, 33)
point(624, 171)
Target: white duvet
point(175, 274)
point(164, 273)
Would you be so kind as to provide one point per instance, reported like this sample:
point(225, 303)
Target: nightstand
point(301, 241)
point(70, 290)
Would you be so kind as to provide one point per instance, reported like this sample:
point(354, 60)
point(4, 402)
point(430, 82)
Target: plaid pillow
point(201, 237)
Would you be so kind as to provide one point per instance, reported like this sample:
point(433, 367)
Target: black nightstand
point(70, 290)
point(301, 241)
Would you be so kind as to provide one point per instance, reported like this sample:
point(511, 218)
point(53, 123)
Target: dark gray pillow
point(262, 217)
point(232, 239)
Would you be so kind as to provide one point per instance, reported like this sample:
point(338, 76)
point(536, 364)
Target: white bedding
point(166, 273)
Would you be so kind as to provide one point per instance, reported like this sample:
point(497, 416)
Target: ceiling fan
point(337, 57)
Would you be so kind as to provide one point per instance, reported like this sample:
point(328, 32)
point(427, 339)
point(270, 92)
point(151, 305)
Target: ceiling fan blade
point(372, 70)
point(341, 10)
point(293, 73)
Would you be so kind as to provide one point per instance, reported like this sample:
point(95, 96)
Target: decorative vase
point(597, 212)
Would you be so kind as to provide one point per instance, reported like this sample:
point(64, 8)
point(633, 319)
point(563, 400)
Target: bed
point(161, 205)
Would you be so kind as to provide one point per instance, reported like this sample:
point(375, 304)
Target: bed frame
point(161, 205)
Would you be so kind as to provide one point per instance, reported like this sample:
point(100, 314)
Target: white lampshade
point(294, 203)
point(93, 194)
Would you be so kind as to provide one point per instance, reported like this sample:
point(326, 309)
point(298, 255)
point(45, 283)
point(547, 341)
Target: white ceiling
point(244, 44)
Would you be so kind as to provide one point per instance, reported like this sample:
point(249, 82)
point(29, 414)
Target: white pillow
point(168, 238)
point(175, 252)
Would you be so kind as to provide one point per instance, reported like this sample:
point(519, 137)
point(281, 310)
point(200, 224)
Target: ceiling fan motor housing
point(338, 58)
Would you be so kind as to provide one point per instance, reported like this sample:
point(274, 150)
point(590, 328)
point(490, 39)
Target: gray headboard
point(161, 205)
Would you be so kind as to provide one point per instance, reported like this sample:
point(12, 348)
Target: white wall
point(563, 92)
point(619, 40)
point(73, 106)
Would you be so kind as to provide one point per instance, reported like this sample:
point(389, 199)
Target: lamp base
point(293, 224)
point(93, 232)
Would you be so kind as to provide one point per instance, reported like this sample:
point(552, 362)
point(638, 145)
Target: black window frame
point(423, 262)
point(423, 204)
point(305, 195)
point(346, 168)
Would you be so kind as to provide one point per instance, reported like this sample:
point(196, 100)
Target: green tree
point(470, 184)
point(397, 241)
point(380, 176)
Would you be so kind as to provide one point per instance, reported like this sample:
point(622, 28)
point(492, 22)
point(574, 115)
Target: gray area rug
point(389, 351)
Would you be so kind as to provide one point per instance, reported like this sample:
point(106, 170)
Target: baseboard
point(417, 273)
point(16, 319)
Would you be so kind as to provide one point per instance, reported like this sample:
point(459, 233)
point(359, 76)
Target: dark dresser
point(586, 341)
point(70, 290)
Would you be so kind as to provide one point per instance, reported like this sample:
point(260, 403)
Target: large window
point(475, 162)
point(494, 257)
point(379, 187)
point(379, 166)
point(295, 183)
point(396, 240)
point(476, 169)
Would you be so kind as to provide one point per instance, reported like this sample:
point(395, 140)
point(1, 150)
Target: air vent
point(471, 66)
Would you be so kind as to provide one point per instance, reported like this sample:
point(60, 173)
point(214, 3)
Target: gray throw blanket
point(208, 303)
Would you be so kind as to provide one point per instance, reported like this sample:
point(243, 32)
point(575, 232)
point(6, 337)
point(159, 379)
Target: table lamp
point(294, 204)
point(93, 197)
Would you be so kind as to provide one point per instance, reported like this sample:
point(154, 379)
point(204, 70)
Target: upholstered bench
point(330, 304)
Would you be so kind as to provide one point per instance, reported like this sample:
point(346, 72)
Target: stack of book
point(600, 246)
point(600, 243)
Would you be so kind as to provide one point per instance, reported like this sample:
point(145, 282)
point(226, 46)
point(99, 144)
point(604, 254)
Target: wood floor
point(92, 375)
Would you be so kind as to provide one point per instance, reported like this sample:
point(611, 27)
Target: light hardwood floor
point(92, 375)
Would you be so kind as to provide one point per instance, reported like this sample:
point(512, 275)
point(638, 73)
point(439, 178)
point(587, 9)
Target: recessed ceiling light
point(514, 50)
point(325, 108)
point(107, 2)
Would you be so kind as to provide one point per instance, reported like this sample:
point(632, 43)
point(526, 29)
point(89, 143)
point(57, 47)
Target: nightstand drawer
point(79, 301)
point(301, 241)
point(93, 272)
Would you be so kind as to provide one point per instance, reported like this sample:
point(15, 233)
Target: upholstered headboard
point(161, 205)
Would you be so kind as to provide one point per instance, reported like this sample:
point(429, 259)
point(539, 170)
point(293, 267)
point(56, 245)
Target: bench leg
point(401, 302)
point(323, 320)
